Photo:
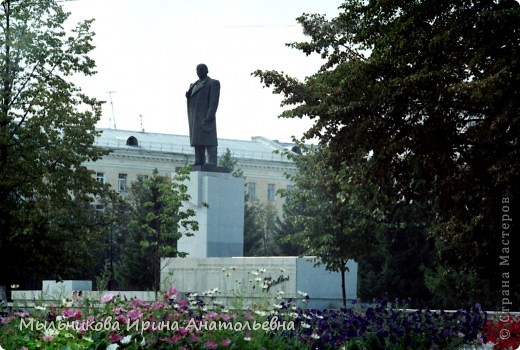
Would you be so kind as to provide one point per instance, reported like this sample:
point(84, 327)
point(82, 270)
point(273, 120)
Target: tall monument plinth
point(218, 200)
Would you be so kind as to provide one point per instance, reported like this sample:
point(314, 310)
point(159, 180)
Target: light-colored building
point(134, 154)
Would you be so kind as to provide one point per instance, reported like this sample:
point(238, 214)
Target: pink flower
point(107, 298)
point(114, 338)
point(134, 314)
point(172, 291)
point(210, 345)
point(121, 319)
point(225, 342)
point(211, 315)
point(194, 338)
point(136, 302)
point(48, 338)
point(158, 305)
point(118, 310)
point(249, 316)
point(68, 313)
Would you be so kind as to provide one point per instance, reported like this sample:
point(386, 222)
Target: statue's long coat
point(203, 97)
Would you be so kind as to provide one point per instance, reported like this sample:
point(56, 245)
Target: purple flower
point(210, 345)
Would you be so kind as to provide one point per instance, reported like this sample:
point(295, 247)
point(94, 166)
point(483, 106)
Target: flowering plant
point(192, 323)
point(504, 333)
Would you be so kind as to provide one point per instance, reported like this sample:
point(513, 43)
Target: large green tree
point(430, 91)
point(47, 132)
point(157, 220)
point(332, 218)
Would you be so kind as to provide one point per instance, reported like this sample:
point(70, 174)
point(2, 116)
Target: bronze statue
point(203, 97)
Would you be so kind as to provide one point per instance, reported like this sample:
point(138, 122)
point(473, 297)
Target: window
point(142, 178)
point(132, 141)
point(270, 192)
point(121, 184)
point(100, 177)
point(99, 209)
point(251, 190)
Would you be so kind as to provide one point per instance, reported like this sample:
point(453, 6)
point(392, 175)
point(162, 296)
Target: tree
point(334, 220)
point(158, 220)
point(47, 132)
point(226, 161)
point(260, 233)
point(397, 269)
point(430, 91)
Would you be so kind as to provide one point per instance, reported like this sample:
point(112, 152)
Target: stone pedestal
point(253, 279)
point(52, 286)
point(218, 200)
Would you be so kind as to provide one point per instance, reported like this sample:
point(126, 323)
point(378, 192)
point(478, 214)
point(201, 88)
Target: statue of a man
point(203, 97)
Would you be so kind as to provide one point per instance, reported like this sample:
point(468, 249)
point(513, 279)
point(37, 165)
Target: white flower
point(51, 332)
point(262, 270)
point(113, 346)
point(255, 273)
point(306, 325)
point(247, 338)
point(258, 279)
point(281, 292)
point(315, 336)
point(59, 318)
point(261, 313)
point(42, 308)
point(126, 339)
point(278, 306)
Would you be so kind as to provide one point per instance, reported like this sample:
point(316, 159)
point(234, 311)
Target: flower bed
point(194, 324)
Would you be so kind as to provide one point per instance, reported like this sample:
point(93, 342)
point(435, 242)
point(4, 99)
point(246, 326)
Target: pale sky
point(147, 50)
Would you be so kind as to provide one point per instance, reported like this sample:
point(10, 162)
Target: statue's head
point(202, 71)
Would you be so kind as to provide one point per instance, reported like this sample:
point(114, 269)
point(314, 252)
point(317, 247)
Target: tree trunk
point(343, 289)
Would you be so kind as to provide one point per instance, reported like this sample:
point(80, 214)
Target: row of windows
point(251, 191)
point(121, 181)
point(122, 184)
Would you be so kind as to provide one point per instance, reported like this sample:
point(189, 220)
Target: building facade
point(136, 154)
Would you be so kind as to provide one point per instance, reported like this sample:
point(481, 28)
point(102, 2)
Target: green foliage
point(260, 233)
point(157, 221)
point(226, 161)
point(333, 218)
point(397, 269)
point(47, 132)
point(429, 92)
